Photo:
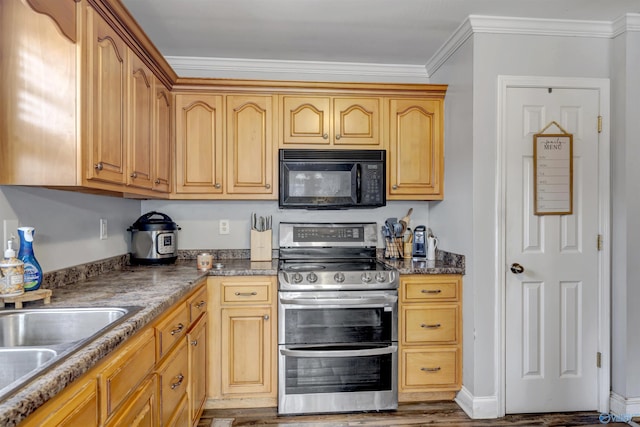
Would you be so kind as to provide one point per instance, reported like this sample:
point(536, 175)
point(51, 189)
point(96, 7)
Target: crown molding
point(526, 26)
point(304, 70)
point(626, 24)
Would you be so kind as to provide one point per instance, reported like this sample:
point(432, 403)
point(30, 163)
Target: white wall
point(67, 223)
point(625, 129)
point(199, 220)
point(452, 219)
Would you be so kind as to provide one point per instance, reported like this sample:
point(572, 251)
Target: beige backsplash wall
point(199, 220)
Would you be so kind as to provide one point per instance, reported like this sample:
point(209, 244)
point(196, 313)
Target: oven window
point(338, 374)
point(338, 325)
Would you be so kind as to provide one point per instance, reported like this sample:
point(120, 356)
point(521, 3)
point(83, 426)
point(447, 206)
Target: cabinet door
point(357, 122)
point(78, 407)
point(199, 121)
point(250, 152)
point(141, 410)
point(416, 162)
point(247, 350)
point(141, 104)
point(198, 368)
point(306, 120)
point(162, 120)
point(106, 101)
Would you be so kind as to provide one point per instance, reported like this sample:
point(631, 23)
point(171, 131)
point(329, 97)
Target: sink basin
point(32, 341)
point(16, 363)
point(42, 327)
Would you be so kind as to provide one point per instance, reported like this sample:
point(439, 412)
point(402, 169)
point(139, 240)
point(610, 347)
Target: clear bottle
point(32, 270)
point(11, 273)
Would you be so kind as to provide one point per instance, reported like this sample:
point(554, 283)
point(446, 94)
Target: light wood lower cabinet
point(243, 321)
point(157, 378)
point(430, 325)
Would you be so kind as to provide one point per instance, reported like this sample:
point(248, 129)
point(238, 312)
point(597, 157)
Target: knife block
point(260, 245)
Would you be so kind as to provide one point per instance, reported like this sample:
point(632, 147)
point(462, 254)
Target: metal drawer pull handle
point(431, 291)
point(201, 304)
point(436, 326)
point(436, 369)
point(177, 384)
point(178, 329)
point(194, 343)
point(246, 294)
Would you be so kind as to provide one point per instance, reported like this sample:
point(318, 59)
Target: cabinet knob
point(266, 317)
point(194, 343)
point(217, 185)
point(201, 304)
point(395, 187)
point(157, 181)
point(338, 136)
point(134, 175)
point(325, 136)
point(98, 166)
point(267, 186)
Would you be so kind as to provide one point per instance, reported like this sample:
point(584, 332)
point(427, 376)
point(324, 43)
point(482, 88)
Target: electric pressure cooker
point(154, 239)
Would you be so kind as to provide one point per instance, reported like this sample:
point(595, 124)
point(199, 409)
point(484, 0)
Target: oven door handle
point(340, 353)
point(356, 302)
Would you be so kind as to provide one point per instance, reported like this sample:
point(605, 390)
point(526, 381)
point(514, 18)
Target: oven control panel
point(352, 235)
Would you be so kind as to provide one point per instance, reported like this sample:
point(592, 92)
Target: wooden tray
point(39, 294)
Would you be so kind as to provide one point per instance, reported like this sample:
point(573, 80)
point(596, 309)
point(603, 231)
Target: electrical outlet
point(224, 226)
point(10, 228)
point(103, 229)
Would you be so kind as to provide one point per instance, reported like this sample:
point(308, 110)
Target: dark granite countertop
point(155, 288)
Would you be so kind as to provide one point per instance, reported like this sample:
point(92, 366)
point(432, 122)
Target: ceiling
point(406, 32)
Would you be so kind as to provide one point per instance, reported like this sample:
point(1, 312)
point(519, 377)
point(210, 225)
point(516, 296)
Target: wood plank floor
point(434, 414)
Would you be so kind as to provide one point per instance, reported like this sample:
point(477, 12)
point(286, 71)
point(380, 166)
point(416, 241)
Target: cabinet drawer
point(173, 377)
point(442, 289)
point(430, 324)
point(127, 370)
point(425, 368)
point(172, 329)
point(246, 292)
point(197, 304)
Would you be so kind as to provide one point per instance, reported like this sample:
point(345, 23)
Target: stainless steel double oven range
point(337, 320)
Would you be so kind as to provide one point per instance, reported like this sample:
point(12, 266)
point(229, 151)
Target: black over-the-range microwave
point(332, 179)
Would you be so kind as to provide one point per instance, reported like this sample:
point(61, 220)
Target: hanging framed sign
point(553, 172)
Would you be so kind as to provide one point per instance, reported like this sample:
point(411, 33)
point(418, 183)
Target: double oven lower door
point(338, 351)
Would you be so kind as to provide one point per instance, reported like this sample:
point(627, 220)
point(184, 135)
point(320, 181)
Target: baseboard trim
point(483, 407)
point(622, 406)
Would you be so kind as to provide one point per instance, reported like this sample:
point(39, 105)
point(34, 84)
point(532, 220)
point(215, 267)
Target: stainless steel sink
point(54, 326)
point(16, 363)
point(32, 341)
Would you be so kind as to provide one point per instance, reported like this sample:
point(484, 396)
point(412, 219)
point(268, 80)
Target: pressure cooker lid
point(154, 221)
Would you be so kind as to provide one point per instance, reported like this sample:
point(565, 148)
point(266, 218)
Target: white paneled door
point(552, 273)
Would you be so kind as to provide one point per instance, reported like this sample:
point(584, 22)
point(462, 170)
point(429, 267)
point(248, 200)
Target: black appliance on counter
point(332, 179)
point(337, 320)
point(154, 239)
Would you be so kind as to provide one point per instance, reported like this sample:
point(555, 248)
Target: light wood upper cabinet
point(141, 124)
point(415, 161)
point(331, 121)
point(163, 126)
point(250, 149)
point(105, 95)
point(199, 132)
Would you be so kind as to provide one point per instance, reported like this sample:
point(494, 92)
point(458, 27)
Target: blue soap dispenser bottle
point(32, 270)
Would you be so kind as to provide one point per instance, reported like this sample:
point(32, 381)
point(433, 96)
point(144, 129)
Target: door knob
point(516, 268)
